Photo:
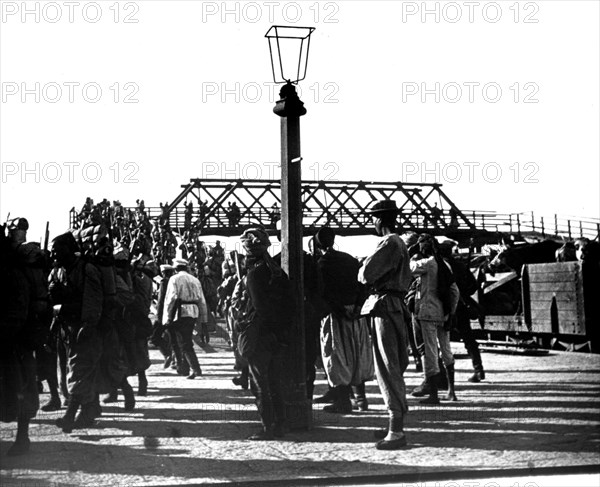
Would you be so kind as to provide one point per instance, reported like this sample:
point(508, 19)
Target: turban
point(256, 241)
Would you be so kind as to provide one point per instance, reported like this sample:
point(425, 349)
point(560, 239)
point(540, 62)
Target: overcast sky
point(498, 101)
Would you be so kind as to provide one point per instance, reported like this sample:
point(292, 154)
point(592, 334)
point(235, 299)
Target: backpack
point(445, 281)
point(95, 244)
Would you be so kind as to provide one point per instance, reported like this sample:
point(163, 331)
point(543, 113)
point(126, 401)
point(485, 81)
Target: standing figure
point(387, 273)
point(81, 298)
point(436, 299)
point(161, 337)
point(184, 307)
point(345, 342)
point(467, 286)
point(23, 318)
point(262, 291)
point(144, 270)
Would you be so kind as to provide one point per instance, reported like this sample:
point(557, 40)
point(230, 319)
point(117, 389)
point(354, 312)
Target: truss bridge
point(225, 206)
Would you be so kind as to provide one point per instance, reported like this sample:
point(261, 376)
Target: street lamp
point(286, 44)
point(289, 42)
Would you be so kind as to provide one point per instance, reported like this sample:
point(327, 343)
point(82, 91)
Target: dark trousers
point(183, 329)
point(462, 325)
point(161, 340)
point(266, 367)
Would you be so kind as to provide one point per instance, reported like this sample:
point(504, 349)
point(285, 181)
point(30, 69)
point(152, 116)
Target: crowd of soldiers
point(86, 305)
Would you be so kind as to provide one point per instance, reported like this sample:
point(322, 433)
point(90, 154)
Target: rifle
point(46, 237)
point(236, 261)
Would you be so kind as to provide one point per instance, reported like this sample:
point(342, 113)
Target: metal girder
point(342, 205)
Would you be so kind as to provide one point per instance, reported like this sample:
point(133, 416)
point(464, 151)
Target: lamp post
point(285, 43)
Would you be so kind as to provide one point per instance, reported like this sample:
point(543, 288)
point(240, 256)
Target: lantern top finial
point(290, 43)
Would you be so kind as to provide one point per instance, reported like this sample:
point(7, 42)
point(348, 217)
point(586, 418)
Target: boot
point(341, 403)
point(422, 389)
point(192, 360)
point(112, 396)
point(142, 384)
point(433, 391)
point(441, 378)
point(194, 374)
point(242, 380)
point(21, 444)
point(68, 420)
point(326, 398)
point(128, 395)
point(451, 396)
point(53, 404)
point(477, 376)
point(96, 409)
point(85, 418)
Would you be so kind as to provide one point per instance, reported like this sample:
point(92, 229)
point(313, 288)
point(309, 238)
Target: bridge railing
point(514, 223)
point(555, 225)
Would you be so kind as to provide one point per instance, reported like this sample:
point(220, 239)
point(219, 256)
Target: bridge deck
point(343, 205)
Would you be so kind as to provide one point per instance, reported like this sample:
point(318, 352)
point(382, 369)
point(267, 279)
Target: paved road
point(531, 412)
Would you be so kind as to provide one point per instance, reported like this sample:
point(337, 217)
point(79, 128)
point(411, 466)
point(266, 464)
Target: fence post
point(510, 222)
point(542, 223)
point(532, 222)
point(569, 227)
point(474, 220)
point(555, 224)
point(519, 224)
point(580, 228)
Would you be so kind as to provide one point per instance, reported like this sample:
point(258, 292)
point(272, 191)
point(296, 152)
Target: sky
point(497, 101)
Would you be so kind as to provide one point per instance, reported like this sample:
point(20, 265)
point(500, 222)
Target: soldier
point(81, 298)
point(161, 338)
point(24, 321)
point(387, 273)
point(143, 271)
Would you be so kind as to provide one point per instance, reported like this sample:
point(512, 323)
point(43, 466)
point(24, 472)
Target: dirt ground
point(531, 412)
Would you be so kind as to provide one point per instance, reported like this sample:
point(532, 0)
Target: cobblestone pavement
point(530, 412)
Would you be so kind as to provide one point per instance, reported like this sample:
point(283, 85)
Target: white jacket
point(186, 288)
point(428, 305)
